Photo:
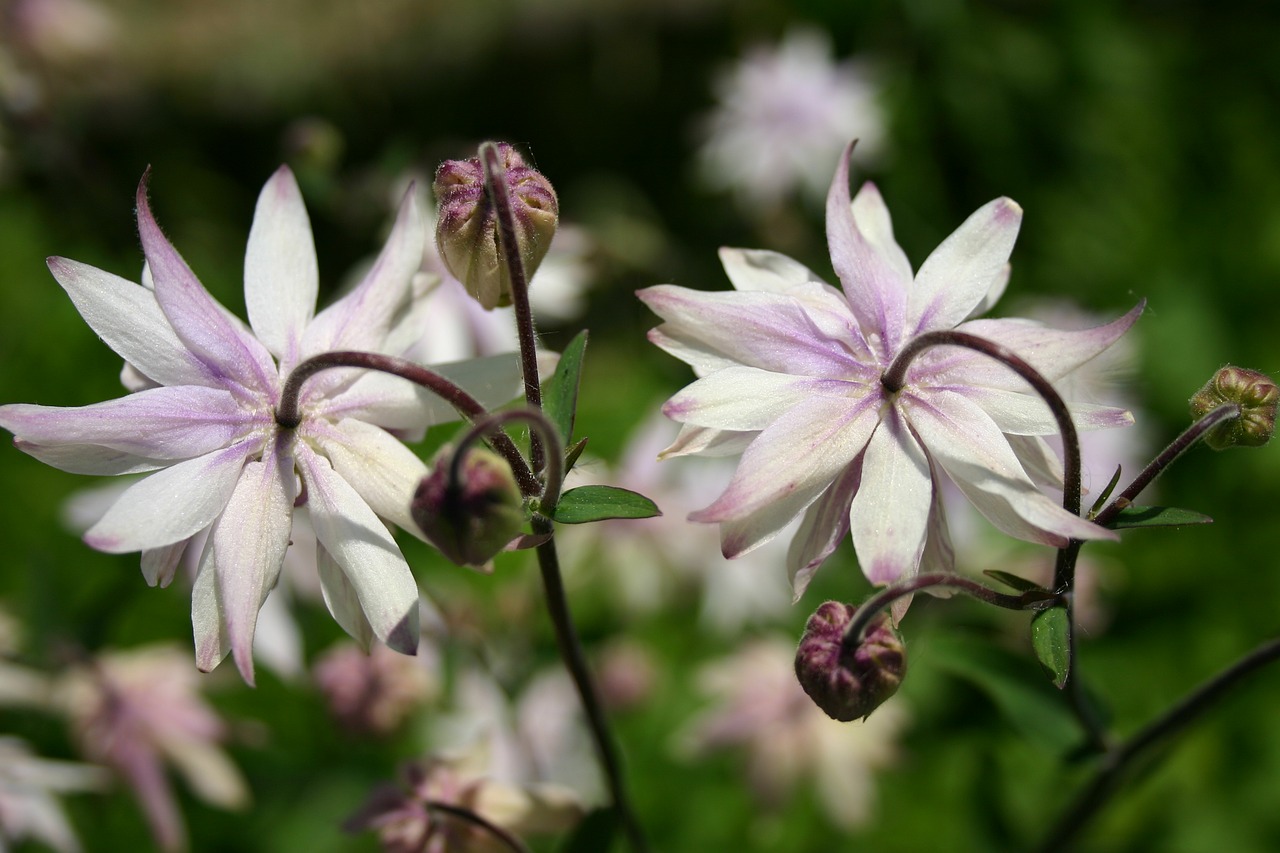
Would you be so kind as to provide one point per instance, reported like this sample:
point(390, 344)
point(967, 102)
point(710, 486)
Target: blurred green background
point(1140, 138)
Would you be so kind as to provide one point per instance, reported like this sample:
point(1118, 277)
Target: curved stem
point(1167, 457)
point(538, 423)
point(1118, 760)
point(1031, 600)
point(508, 839)
point(495, 183)
point(469, 407)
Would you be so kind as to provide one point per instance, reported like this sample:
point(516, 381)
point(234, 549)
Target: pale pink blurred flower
point(761, 709)
point(405, 821)
point(783, 113)
point(136, 711)
point(63, 31)
point(374, 691)
point(29, 789)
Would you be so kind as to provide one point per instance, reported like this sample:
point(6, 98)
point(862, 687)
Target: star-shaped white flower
point(207, 425)
point(790, 373)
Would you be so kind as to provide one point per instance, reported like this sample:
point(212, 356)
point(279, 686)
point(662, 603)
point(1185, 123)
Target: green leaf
point(1106, 493)
point(1012, 581)
point(595, 834)
point(1156, 516)
point(1015, 687)
point(560, 392)
point(571, 455)
point(597, 503)
point(1051, 638)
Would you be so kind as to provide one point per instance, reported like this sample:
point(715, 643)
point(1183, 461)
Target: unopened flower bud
point(849, 686)
point(467, 230)
point(473, 518)
point(1256, 395)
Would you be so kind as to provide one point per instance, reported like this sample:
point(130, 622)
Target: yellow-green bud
point(467, 229)
point(473, 518)
point(848, 685)
point(1256, 395)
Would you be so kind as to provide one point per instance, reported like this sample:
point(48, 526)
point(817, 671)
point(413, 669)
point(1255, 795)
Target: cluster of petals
point(201, 424)
point(790, 373)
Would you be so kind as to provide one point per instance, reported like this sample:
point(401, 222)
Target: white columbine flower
point(206, 426)
point(791, 373)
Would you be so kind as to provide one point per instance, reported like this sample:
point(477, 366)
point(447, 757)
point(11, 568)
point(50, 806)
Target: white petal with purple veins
point(280, 273)
point(890, 512)
point(378, 466)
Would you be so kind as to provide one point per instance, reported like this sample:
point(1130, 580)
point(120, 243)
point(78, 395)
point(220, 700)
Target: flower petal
point(90, 459)
point(280, 272)
point(361, 545)
point(747, 398)
point(889, 516)
point(876, 292)
point(758, 269)
point(787, 467)
point(871, 215)
point(159, 565)
point(1025, 413)
point(208, 624)
point(961, 272)
point(707, 442)
point(378, 466)
point(825, 524)
point(199, 321)
point(362, 319)
point(976, 456)
point(129, 320)
point(159, 423)
point(342, 599)
point(249, 541)
point(172, 504)
point(1039, 461)
point(766, 330)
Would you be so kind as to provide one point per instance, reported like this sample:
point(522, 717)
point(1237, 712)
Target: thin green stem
point(1117, 761)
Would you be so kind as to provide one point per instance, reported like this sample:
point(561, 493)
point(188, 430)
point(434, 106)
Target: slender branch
point(507, 838)
point(1031, 600)
point(288, 416)
point(1115, 763)
point(538, 423)
point(495, 183)
point(1167, 457)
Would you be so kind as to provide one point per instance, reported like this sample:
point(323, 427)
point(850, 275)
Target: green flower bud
point(1256, 395)
point(467, 230)
point(473, 518)
point(848, 686)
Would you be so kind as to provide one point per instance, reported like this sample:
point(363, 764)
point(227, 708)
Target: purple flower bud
point(474, 518)
point(849, 686)
point(467, 230)
point(1257, 396)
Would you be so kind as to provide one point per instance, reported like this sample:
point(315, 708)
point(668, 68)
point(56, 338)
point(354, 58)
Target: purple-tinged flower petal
point(208, 621)
point(787, 467)
point(707, 442)
point(825, 524)
point(159, 423)
point(362, 319)
point(378, 466)
point(89, 459)
point(200, 322)
point(876, 294)
point(127, 317)
point(159, 565)
point(172, 504)
point(1052, 352)
point(766, 330)
point(770, 272)
point(364, 549)
point(1025, 413)
point(997, 289)
point(395, 403)
point(342, 599)
point(960, 273)
point(1038, 459)
point(975, 455)
point(249, 540)
point(890, 513)
point(280, 272)
point(876, 225)
point(746, 398)
point(939, 554)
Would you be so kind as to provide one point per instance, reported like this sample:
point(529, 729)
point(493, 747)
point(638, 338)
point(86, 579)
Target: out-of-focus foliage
point(1139, 138)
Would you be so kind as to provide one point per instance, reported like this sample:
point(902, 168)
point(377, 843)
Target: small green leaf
point(1015, 687)
point(571, 455)
point(1106, 493)
point(1156, 516)
point(597, 503)
point(1051, 638)
point(595, 834)
point(560, 392)
point(1012, 581)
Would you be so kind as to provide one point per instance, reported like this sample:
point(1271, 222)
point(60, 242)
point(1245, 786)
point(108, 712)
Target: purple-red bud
point(474, 518)
point(1256, 395)
point(467, 230)
point(849, 686)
